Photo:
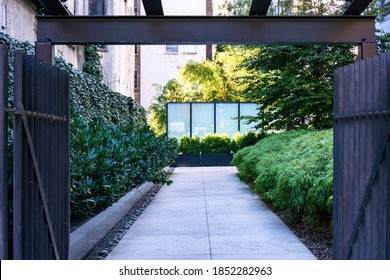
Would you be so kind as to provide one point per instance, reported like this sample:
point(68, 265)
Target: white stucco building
point(160, 63)
point(17, 19)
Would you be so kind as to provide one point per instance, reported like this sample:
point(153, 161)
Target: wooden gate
point(361, 222)
point(40, 191)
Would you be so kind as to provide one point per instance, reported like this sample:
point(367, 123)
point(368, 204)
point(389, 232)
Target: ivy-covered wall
point(112, 147)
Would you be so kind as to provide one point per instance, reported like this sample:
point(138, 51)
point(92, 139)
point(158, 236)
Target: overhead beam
point(205, 30)
point(259, 7)
point(357, 7)
point(52, 7)
point(153, 7)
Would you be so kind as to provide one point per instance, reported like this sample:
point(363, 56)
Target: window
point(172, 48)
point(96, 8)
point(189, 49)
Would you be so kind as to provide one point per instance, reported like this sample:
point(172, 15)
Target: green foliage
point(171, 92)
point(107, 161)
point(189, 145)
point(96, 102)
point(293, 85)
point(293, 171)
point(240, 141)
point(215, 143)
point(205, 81)
point(112, 148)
point(92, 63)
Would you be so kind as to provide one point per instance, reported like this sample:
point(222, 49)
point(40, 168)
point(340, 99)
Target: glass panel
point(226, 118)
point(178, 119)
point(247, 109)
point(189, 48)
point(202, 119)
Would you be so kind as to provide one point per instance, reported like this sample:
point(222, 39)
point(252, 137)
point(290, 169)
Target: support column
point(366, 50)
point(209, 12)
point(44, 52)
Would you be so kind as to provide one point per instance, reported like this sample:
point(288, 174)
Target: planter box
point(187, 160)
point(216, 159)
point(193, 160)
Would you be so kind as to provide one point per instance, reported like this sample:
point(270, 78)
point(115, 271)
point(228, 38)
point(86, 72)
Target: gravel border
point(101, 250)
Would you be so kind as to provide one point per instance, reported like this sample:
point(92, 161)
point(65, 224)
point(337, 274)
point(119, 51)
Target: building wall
point(119, 61)
point(17, 18)
point(158, 66)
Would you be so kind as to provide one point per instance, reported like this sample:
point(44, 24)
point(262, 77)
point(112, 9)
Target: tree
point(204, 81)
point(293, 85)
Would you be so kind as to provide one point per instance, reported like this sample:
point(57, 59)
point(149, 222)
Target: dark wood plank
point(3, 153)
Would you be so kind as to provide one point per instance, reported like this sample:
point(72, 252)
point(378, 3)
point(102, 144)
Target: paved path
point(207, 213)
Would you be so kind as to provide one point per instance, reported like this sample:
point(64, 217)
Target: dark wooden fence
point(40, 192)
point(361, 225)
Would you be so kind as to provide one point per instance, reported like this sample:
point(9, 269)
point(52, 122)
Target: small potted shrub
point(189, 151)
point(215, 150)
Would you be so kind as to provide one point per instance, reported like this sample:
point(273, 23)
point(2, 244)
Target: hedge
point(293, 171)
point(218, 143)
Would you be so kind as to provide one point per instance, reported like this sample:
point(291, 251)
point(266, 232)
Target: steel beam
point(153, 7)
point(357, 7)
point(259, 7)
point(205, 30)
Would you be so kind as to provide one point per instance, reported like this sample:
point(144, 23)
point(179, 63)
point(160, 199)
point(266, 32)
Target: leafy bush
point(240, 141)
point(107, 161)
point(112, 148)
point(293, 171)
point(189, 145)
point(215, 143)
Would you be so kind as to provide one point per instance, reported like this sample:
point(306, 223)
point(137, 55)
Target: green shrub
point(293, 171)
point(108, 161)
point(189, 145)
point(215, 143)
point(240, 141)
point(112, 148)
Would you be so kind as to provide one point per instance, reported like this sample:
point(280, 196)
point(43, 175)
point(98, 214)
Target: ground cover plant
point(293, 171)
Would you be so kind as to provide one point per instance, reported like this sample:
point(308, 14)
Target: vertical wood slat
point(388, 164)
point(361, 160)
point(3, 153)
point(17, 161)
point(41, 213)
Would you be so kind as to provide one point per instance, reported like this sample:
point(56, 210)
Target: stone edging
point(83, 239)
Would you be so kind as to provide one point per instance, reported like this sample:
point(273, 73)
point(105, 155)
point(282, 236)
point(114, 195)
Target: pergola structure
point(155, 28)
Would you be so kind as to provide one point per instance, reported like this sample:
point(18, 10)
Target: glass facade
point(179, 118)
point(202, 118)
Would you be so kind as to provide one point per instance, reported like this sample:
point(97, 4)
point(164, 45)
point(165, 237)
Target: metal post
point(366, 50)
point(44, 52)
point(3, 153)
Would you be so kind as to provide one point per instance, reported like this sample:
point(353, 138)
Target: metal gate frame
point(40, 195)
point(361, 214)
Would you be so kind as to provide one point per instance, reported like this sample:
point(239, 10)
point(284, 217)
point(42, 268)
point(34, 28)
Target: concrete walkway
point(207, 213)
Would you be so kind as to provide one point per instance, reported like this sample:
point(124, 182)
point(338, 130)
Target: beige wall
point(17, 19)
point(157, 66)
point(119, 61)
